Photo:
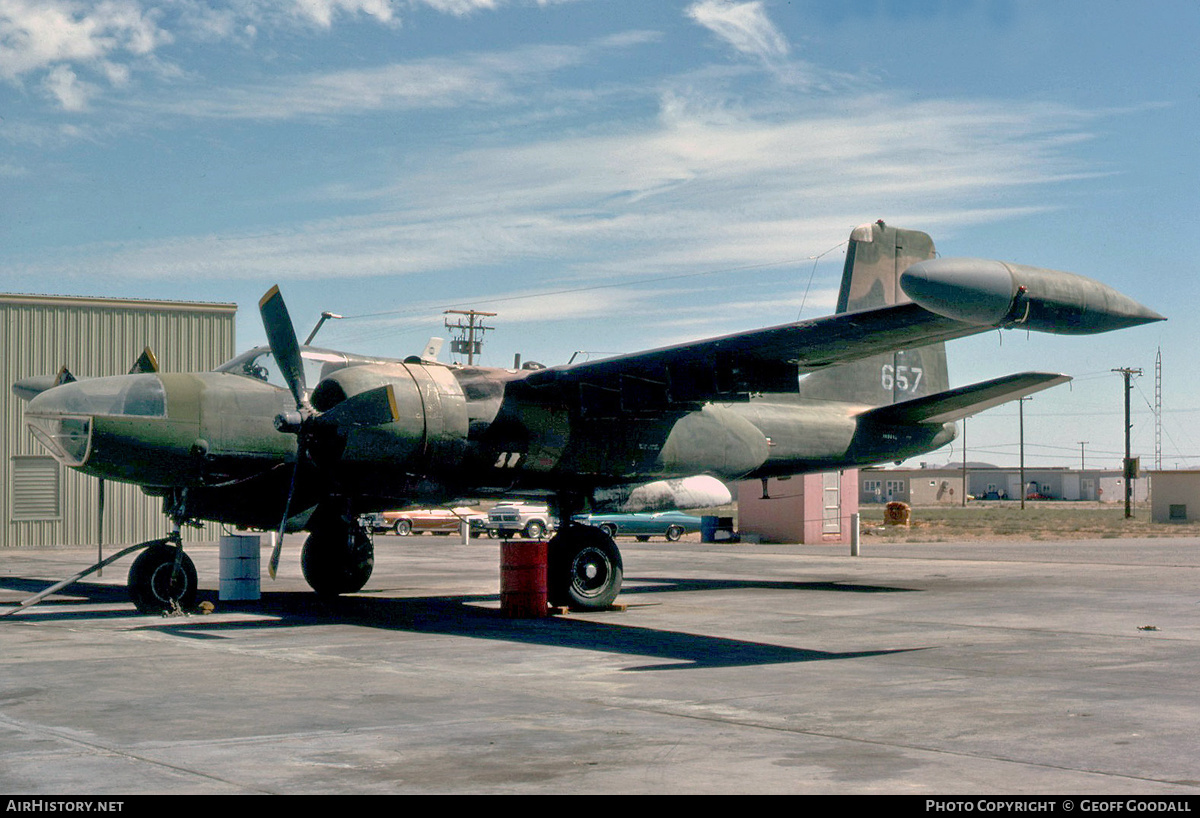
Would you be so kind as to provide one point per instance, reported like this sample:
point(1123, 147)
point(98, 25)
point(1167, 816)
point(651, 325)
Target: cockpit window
point(140, 395)
point(260, 364)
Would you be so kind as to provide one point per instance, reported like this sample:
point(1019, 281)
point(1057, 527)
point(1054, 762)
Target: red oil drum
point(523, 579)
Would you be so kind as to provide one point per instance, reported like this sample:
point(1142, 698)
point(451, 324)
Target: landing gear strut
point(585, 569)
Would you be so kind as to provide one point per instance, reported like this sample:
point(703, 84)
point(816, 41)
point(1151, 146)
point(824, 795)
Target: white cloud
point(745, 26)
point(688, 192)
point(57, 38)
point(57, 42)
point(494, 78)
point(62, 84)
point(459, 7)
point(40, 35)
point(322, 12)
point(432, 83)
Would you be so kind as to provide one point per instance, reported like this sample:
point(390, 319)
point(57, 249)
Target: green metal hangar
point(43, 503)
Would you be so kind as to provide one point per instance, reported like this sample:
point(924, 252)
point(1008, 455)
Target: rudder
point(875, 258)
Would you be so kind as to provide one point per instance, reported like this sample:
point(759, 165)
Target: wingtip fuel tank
point(983, 292)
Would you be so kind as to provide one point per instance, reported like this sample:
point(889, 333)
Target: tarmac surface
point(982, 668)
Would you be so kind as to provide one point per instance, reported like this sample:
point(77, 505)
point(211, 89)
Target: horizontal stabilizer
point(955, 404)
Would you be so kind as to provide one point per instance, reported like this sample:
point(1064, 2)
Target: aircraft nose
point(63, 418)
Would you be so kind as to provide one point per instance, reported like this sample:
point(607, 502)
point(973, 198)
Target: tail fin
point(876, 257)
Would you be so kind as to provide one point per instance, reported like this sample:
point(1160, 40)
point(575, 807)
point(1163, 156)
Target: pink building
point(807, 508)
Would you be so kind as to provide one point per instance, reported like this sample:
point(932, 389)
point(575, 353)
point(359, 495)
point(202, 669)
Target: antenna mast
point(1158, 410)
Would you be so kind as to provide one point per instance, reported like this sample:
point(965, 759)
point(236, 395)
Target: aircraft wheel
point(403, 528)
point(155, 587)
point(585, 569)
point(674, 533)
point(332, 564)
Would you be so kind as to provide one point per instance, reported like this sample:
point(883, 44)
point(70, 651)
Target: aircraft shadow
point(468, 616)
point(670, 584)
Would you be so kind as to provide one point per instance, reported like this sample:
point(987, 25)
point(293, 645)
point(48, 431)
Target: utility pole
point(1082, 460)
point(964, 485)
point(1130, 470)
point(470, 334)
point(1021, 414)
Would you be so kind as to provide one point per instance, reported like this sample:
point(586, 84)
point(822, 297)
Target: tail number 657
point(901, 378)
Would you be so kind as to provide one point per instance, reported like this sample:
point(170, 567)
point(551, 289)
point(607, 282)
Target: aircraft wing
point(951, 298)
point(764, 360)
point(955, 404)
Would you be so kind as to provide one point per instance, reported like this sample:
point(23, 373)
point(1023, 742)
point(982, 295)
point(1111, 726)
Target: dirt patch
point(1039, 520)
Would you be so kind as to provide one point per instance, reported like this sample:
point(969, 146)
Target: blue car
point(669, 524)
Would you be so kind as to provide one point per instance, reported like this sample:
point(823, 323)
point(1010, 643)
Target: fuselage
point(459, 431)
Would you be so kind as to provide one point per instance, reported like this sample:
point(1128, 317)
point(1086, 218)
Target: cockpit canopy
point(260, 364)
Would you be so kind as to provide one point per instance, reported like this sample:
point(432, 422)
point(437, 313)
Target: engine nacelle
point(428, 437)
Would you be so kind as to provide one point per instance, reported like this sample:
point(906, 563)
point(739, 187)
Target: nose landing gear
point(163, 578)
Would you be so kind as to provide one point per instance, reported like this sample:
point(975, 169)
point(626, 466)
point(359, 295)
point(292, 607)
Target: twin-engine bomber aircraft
point(249, 444)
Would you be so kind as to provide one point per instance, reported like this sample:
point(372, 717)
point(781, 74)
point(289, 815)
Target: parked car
point(510, 519)
point(432, 520)
point(644, 525)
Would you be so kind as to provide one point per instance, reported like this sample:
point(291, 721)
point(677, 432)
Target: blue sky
point(611, 176)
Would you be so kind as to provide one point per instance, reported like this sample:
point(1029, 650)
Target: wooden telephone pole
point(469, 340)
point(1131, 466)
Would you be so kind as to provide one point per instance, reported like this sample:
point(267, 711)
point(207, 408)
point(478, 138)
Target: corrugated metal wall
point(96, 337)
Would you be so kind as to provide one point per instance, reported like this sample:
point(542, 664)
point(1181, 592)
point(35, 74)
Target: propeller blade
point(146, 362)
point(273, 564)
point(281, 335)
point(64, 376)
point(370, 408)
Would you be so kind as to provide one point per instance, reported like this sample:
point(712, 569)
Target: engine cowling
point(428, 438)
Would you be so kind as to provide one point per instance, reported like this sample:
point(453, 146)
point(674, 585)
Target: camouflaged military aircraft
point(251, 445)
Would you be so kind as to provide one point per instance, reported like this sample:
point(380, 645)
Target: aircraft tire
point(585, 569)
point(332, 567)
point(153, 590)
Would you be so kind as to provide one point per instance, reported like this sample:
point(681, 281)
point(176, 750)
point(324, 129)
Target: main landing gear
point(585, 570)
point(337, 559)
